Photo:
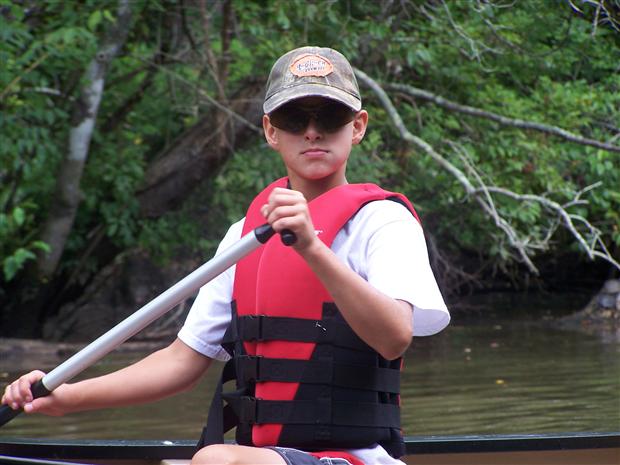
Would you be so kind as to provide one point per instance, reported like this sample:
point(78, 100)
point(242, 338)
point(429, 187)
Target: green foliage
point(33, 124)
point(16, 243)
point(530, 60)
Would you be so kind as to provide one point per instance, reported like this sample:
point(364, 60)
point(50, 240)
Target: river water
point(498, 376)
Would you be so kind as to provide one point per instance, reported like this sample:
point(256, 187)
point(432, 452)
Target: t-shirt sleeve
point(209, 316)
point(398, 265)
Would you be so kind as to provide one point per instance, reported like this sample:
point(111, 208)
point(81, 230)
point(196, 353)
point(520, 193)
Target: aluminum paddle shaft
point(148, 313)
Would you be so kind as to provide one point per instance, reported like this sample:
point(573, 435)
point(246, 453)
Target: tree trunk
point(67, 198)
point(195, 156)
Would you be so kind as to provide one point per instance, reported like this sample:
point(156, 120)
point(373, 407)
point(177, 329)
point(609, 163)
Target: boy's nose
point(312, 131)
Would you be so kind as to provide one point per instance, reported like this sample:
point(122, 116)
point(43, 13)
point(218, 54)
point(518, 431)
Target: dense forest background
point(130, 139)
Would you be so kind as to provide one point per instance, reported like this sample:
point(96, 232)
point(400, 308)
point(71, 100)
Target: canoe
point(594, 448)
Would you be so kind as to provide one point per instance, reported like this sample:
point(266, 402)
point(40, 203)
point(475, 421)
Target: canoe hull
point(542, 449)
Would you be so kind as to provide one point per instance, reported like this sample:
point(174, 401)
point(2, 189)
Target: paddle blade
point(7, 413)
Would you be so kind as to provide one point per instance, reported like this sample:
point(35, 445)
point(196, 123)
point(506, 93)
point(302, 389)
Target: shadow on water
point(479, 376)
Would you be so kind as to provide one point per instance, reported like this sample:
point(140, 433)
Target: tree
point(65, 202)
point(498, 119)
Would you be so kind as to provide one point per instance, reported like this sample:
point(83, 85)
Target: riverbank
point(601, 316)
point(18, 355)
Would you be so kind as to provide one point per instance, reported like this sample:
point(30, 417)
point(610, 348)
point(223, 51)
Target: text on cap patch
point(311, 65)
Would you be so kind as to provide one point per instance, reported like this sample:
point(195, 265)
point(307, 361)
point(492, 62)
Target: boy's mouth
point(314, 152)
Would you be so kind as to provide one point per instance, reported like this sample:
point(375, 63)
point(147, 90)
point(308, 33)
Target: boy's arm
point(382, 322)
point(168, 371)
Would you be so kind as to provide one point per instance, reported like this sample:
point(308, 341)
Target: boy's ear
point(360, 123)
point(270, 133)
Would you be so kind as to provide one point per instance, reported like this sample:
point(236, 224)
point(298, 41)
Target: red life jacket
point(304, 378)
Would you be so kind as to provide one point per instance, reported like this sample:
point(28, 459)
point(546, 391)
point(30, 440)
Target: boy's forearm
point(382, 322)
point(168, 371)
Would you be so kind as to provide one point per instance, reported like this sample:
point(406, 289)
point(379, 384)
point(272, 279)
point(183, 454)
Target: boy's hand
point(288, 209)
point(18, 395)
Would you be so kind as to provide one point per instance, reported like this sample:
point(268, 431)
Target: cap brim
point(311, 90)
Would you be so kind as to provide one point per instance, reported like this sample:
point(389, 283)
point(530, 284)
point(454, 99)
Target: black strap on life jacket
point(321, 418)
point(317, 411)
point(255, 368)
point(271, 328)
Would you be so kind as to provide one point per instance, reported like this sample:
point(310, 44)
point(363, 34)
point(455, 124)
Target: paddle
point(148, 313)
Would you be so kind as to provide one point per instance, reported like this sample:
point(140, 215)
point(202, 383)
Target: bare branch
point(18, 78)
point(607, 12)
point(208, 98)
point(212, 63)
point(477, 48)
point(569, 220)
point(218, 68)
point(444, 163)
point(595, 20)
point(503, 120)
point(523, 244)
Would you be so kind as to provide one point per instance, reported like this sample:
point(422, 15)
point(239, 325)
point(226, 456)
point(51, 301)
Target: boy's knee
point(216, 454)
point(231, 454)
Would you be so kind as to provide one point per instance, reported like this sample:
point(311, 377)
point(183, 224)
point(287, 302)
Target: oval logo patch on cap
point(311, 65)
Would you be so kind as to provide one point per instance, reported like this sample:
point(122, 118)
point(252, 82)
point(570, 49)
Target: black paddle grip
point(264, 232)
point(288, 237)
point(7, 413)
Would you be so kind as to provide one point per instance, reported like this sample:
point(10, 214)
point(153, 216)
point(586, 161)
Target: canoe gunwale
point(184, 449)
point(511, 442)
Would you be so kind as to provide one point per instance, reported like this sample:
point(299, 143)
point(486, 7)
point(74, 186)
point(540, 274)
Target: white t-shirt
point(383, 243)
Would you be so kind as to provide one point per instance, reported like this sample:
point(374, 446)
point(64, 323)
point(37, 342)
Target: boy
point(316, 330)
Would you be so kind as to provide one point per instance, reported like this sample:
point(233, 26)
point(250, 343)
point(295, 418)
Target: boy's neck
point(312, 188)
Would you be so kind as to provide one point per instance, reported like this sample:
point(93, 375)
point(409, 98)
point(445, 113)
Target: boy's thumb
point(37, 405)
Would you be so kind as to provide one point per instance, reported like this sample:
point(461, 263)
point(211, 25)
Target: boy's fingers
point(5, 396)
point(19, 392)
point(24, 389)
point(280, 196)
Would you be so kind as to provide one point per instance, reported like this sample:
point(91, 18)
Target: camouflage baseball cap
point(312, 71)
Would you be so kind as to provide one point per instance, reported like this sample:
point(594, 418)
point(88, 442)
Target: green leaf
point(283, 20)
point(19, 216)
point(40, 245)
point(94, 20)
point(109, 16)
point(12, 264)
point(9, 268)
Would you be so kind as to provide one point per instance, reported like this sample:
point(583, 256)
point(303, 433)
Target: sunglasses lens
point(295, 119)
point(290, 119)
point(333, 116)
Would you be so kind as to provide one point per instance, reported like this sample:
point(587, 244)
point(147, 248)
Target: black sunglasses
point(329, 117)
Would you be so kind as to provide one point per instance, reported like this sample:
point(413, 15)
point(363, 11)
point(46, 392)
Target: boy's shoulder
point(379, 214)
point(384, 211)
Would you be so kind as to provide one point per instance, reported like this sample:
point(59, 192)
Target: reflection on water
point(474, 379)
